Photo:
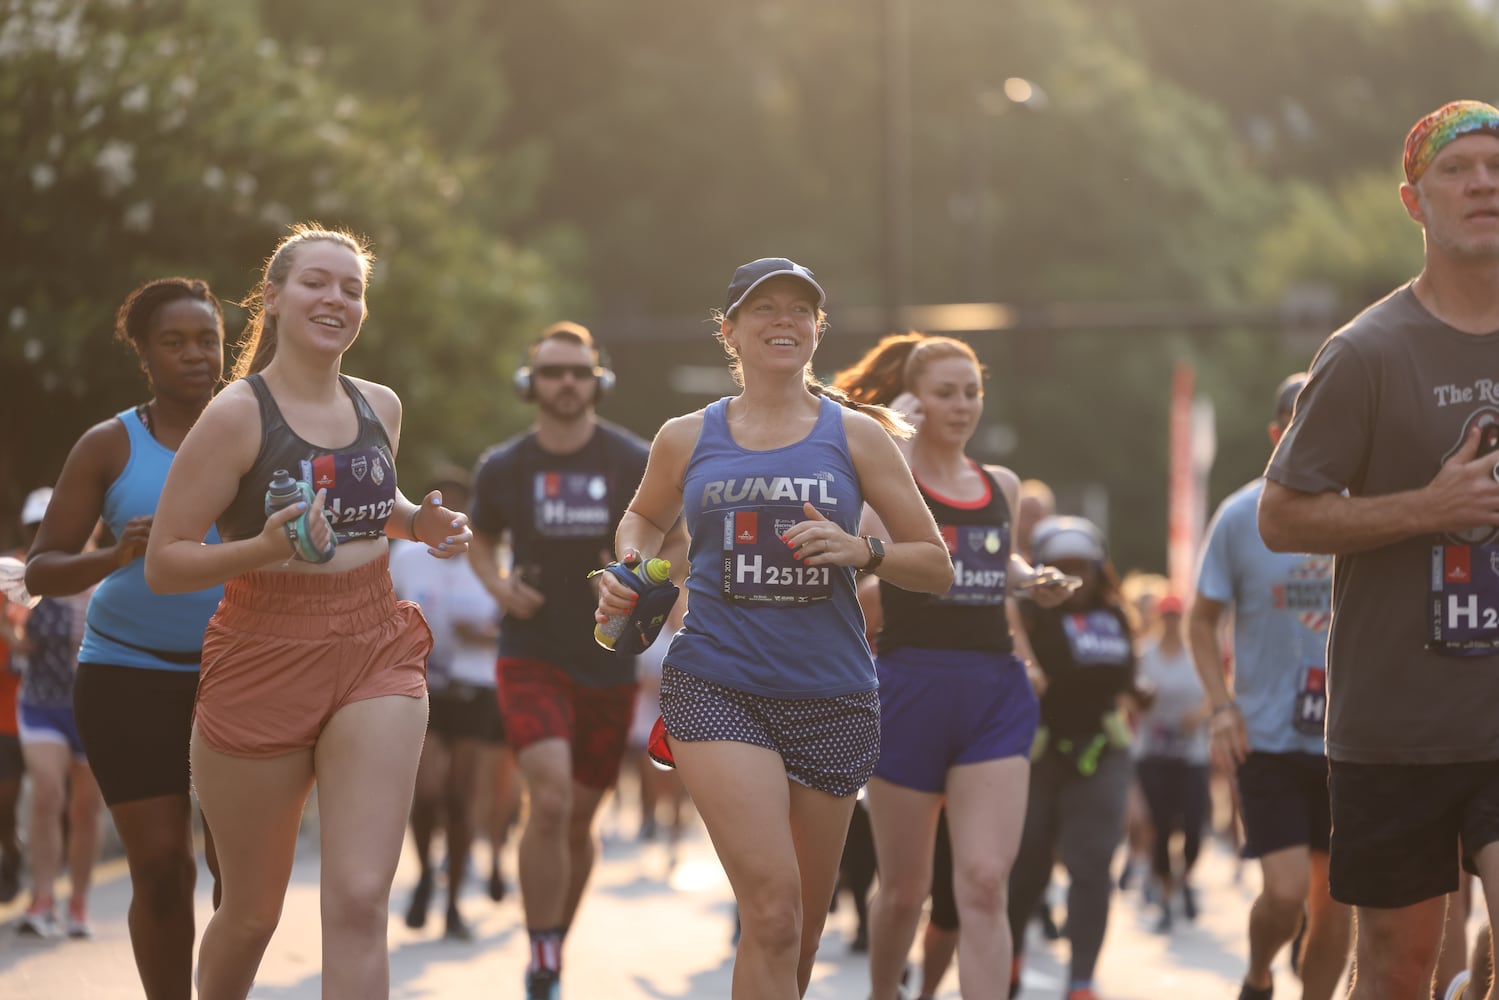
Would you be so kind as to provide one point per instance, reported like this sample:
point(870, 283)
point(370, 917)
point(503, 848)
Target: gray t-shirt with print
point(1390, 397)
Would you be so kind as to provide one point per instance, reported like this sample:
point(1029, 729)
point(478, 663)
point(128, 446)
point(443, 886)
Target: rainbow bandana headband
point(1436, 130)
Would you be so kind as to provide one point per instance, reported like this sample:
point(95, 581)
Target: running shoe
point(1163, 922)
point(78, 928)
point(421, 898)
point(1189, 902)
point(1458, 988)
point(1082, 993)
point(543, 984)
point(1247, 992)
point(457, 929)
point(42, 924)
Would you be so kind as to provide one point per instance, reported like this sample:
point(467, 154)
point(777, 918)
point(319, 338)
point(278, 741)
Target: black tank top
point(971, 615)
point(360, 478)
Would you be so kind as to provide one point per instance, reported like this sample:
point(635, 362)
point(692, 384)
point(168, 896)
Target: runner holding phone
point(958, 714)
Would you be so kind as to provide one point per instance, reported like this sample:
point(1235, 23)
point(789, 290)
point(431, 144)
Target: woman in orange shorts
point(312, 670)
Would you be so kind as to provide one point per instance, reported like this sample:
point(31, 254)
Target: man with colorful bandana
point(1389, 466)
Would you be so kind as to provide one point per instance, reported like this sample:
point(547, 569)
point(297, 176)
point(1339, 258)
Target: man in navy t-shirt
point(552, 498)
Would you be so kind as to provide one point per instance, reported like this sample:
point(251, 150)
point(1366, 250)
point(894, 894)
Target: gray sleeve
point(1326, 448)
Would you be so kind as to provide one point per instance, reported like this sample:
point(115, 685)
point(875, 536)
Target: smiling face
point(1457, 199)
point(184, 349)
point(775, 329)
point(320, 305)
point(952, 400)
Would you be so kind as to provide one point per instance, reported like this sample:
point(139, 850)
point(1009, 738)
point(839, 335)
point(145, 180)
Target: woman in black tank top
point(312, 670)
point(957, 711)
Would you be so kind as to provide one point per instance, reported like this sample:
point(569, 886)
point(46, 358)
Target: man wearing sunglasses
point(550, 499)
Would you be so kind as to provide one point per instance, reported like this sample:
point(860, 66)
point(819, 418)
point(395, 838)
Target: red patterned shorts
point(541, 702)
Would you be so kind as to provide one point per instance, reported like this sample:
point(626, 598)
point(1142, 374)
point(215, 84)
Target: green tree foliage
point(176, 137)
point(1316, 90)
point(1355, 240)
point(1191, 153)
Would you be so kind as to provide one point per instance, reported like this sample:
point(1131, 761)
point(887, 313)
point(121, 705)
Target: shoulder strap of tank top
point(995, 493)
point(367, 414)
point(270, 413)
point(271, 420)
point(136, 420)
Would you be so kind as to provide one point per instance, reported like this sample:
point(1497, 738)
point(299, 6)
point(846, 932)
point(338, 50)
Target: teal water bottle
point(640, 577)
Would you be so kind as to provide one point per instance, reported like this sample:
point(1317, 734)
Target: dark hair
point(133, 318)
point(1108, 593)
point(571, 333)
point(892, 366)
point(1285, 396)
point(893, 423)
point(258, 344)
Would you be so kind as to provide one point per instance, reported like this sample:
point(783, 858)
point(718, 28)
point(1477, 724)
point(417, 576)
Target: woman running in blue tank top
point(768, 691)
point(957, 710)
point(138, 665)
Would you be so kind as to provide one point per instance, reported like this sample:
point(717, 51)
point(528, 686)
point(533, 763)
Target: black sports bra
point(360, 478)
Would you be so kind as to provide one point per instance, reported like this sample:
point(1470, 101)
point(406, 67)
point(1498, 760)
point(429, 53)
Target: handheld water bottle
point(642, 577)
point(284, 491)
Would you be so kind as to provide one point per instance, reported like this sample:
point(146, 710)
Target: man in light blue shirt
point(1271, 725)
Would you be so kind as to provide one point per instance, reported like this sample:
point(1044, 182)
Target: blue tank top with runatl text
point(759, 620)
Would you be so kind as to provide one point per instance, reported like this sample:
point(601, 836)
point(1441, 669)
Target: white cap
point(1067, 538)
point(35, 507)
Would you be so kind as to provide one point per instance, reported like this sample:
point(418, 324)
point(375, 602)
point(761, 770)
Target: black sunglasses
point(580, 372)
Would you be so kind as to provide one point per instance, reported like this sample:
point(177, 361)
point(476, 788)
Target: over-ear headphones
point(525, 388)
point(604, 379)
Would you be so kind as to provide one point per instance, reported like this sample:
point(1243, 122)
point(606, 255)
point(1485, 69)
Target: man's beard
point(565, 406)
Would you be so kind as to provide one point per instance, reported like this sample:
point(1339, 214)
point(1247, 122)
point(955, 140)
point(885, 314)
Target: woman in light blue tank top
point(768, 691)
point(138, 665)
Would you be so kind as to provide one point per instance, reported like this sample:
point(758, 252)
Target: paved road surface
point(647, 932)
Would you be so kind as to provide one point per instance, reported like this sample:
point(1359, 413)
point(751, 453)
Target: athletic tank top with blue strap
point(360, 477)
point(971, 615)
point(759, 620)
point(128, 624)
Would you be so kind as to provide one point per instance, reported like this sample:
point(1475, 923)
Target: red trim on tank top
point(978, 504)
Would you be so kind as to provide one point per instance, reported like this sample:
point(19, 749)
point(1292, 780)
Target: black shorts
point(135, 724)
point(1283, 799)
point(1398, 828)
point(465, 712)
point(12, 764)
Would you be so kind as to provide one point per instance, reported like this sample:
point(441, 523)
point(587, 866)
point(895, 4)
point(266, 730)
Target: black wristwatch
point(876, 554)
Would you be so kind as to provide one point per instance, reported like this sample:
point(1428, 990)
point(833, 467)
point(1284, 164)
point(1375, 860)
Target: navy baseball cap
point(754, 274)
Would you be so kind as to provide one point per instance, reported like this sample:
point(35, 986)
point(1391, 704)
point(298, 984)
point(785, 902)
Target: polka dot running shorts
point(830, 744)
